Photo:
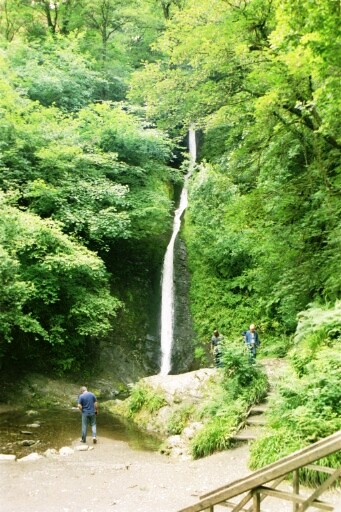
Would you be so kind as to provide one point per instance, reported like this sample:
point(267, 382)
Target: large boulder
point(190, 386)
point(31, 457)
point(180, 397)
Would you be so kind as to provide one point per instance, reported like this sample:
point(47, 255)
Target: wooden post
point(327, 483)
point(295, 488)
point(256, 501)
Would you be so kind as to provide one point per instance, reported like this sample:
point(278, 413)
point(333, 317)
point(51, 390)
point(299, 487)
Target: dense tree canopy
point(78, 174)
point(53, 290)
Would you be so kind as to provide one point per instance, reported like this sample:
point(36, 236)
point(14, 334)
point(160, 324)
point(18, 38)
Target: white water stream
point(167, 292)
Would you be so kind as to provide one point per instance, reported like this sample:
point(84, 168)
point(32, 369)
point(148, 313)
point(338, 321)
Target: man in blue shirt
point(87, 403)
point(252, 341)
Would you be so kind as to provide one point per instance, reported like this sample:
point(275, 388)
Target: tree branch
point(307, 121)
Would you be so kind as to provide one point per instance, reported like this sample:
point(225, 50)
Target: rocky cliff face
point(183, 345)
point(138, 355)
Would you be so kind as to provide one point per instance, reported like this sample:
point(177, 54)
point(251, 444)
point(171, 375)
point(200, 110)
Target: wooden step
point(259, 409)
point(244, 437)
point(255, 420)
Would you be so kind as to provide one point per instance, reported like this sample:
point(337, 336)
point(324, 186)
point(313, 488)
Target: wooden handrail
point(292, 462)
point(334, 439)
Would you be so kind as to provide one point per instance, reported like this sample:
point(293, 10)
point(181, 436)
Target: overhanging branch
point(308, 122)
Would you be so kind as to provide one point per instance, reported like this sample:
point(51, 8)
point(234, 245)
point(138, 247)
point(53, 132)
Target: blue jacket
point(248, 338)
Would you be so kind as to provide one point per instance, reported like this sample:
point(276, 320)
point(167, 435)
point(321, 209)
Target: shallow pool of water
point(60, 427)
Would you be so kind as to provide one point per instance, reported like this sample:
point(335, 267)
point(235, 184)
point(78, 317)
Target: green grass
point(144, 397)
point(280, 443)
point(215, 436)
point(180, 418)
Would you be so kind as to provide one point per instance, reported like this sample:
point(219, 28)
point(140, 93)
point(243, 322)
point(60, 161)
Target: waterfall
point(167, 291)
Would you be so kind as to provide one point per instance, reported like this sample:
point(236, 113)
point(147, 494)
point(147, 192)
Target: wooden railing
point(262, 483)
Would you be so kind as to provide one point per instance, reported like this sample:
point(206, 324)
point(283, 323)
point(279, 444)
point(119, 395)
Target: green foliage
point(113, 36)
point(314, 478)
point(68, 153)
point(273, 447)
point(259, 79)
point(311, 404)
point(277, 345)
point(242, 385)
point(263, 223)
point(56, 293)
point(144, 398)
point(318, 329)
point(242, 379)
point(68, 171)
point(217, 258)
point(307, 405)
point(214, 437)
point(200, 355)
point(56, 73)
point(281, 443)
point(179, 419)
point(323, 322)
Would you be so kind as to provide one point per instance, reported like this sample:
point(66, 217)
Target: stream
point(54, 428)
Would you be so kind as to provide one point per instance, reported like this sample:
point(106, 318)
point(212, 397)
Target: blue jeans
point(88, 418)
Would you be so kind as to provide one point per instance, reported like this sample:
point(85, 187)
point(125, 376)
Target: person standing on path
point(252, 341)
point(216, 341)
point(87, 403)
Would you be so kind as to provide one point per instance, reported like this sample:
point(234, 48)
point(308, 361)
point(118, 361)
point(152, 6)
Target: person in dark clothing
point(87, 403)
point(216, 341)
point(252, 341)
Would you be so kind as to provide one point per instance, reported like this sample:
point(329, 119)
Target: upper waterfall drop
point(167, 291)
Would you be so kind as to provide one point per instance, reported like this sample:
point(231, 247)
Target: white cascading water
point(167, 292)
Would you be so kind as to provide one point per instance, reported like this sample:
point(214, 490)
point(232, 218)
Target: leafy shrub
point(277, 346)
point(214, 436)
point(242, 378)
point(66, 78)
point(278, 444)
point(318, 328)
point(317, 320)
point(179, 419)
point(200, 355)
point(225, 415)
point(143, 397)
point(273, 447)
point(56, 300)
point(314, 478)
